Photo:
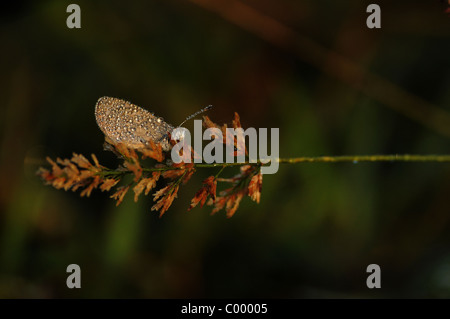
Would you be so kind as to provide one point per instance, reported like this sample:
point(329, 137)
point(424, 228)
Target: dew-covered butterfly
point(124, 122)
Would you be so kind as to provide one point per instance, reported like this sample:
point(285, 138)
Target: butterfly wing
point(124, 122)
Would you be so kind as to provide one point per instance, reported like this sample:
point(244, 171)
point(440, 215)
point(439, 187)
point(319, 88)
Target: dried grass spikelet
point(146, 184)
point(247, 182)
point(237, 145)
point(120, 194)
point(208, 190)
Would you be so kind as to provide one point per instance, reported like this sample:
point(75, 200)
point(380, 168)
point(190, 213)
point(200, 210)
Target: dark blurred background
point(311, 68)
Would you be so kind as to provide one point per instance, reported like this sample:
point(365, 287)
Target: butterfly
point(127, 123)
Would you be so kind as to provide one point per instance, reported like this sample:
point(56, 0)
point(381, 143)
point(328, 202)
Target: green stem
point(344, 158)
point(221, 170)
point(368, 158)
point(303, 159)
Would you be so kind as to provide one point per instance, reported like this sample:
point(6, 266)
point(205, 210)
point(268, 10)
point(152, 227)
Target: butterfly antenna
point(196, 113)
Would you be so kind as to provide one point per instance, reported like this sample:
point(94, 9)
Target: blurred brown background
point(311, 68)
